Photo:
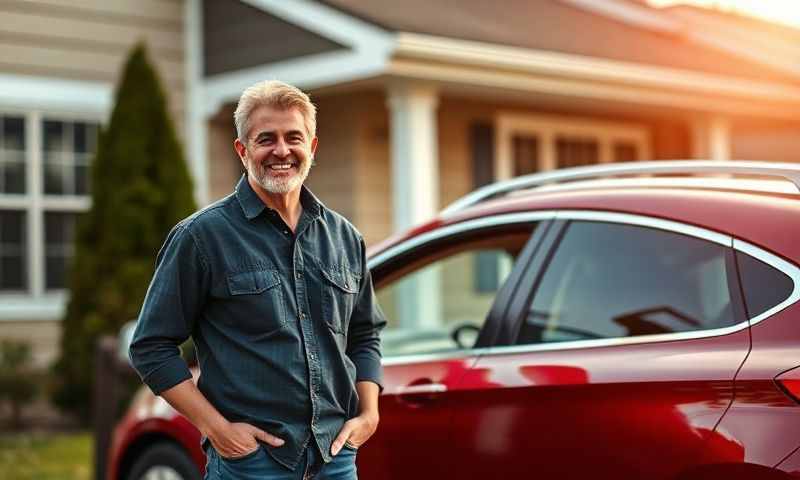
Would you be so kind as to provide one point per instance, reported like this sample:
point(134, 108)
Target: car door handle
point(423, 388)
point(420, 392)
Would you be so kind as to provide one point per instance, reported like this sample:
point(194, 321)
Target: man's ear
point(314, 143)
point(241, 150)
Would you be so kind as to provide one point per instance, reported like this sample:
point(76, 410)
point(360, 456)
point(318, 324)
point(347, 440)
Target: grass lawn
point(40, 456)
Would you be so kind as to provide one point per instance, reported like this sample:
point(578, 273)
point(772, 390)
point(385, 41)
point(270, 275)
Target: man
point(273, 287)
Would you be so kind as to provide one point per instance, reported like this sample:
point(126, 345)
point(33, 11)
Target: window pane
point(13, 133)
point(12, 228)
point(59, 237)
point(574, 152)
point(12, 250)
point(625, 152)
point(526, 154)
point(764, 286)
point(608, 280)
point(12, 172)
point(68, 151)
point(54, 140)
point(82, 180)
point(54, 175)
point(425, 306)
point(55, 273)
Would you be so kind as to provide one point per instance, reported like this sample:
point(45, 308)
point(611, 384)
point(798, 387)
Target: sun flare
point(782, 11)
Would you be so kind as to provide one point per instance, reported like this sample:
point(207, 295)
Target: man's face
point(278, 151)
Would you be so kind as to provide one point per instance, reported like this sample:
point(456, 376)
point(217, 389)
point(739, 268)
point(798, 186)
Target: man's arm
point(173, 302)
point(357, 431)
point(363, 348)
point(230, 440)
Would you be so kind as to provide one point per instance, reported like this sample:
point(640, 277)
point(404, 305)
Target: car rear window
point(609, 280)
point(764, 285)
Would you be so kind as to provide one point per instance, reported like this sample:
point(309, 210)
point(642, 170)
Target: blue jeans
point(260, 465)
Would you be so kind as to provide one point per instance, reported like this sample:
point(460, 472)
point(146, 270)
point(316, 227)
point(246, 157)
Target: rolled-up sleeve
point(173, 301)
point(366, 323)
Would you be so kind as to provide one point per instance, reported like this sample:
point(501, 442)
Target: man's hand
point(355, 431)
point(239, 439)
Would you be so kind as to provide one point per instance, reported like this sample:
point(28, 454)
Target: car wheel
point(164, 461)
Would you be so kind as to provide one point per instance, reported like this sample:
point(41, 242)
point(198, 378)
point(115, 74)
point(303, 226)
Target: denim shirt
point(284, 324)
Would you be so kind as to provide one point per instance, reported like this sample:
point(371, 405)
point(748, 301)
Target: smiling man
point(273, 287)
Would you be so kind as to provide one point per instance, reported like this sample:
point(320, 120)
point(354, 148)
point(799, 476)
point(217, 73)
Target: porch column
point(415, 192)
point(711, 138)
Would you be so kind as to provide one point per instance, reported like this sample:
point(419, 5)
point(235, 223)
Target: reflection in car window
point(610, 280)
point(440, 301)
point(764, 286)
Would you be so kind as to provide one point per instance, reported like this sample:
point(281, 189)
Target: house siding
point(89, 40)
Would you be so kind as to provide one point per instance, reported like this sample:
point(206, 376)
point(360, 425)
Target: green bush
point(140, 189)
point(17, 383)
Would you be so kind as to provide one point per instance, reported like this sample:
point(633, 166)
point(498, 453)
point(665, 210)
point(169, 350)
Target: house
point(419, 102)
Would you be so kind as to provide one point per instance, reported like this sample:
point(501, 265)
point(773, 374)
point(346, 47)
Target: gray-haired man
point(274, 289)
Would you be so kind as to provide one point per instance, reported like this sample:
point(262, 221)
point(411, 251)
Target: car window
point(764, 286)
point(609, 280)
point(436, 297)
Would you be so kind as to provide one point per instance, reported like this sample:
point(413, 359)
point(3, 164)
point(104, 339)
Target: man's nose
point(281, 149)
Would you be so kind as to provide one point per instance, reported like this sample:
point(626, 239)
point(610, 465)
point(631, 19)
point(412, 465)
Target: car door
point(619, 358)
point(438, 292)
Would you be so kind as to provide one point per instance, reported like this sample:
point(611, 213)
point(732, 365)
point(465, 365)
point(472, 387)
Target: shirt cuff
point(171, 373)
point(369, 370)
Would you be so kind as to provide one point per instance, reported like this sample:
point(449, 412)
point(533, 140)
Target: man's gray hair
point(275, 94)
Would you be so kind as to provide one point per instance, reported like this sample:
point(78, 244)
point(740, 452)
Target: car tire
point(165, 461)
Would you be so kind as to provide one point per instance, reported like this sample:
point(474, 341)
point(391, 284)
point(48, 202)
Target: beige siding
point(765, 141)
point(332, 178)
point(44, 337)
point(90, 39)
point(224, 166)
point(373, 171)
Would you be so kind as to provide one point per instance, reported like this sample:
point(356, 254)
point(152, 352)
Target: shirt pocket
point(256, 301)
point(339, 291)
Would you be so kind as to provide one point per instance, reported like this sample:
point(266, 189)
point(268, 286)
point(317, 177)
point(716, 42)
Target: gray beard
point(273, 185)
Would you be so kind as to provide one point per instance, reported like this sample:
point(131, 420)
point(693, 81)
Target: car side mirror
point(465, 335)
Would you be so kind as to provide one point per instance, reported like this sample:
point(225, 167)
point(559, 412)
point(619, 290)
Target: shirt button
point(299, 275)
point(286, 232)
point(302, 315)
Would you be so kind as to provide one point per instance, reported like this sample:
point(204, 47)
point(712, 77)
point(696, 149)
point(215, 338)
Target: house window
point(534, 143)
point(576, 151)
point(44, 186)
point(12, 250)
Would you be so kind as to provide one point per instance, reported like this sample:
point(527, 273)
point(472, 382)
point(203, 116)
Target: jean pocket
point(243, 458)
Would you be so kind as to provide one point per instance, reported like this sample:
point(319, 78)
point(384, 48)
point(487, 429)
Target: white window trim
point(37, 303)
point(548, 127)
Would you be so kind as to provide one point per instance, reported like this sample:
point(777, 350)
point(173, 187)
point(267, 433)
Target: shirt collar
point(253, 206)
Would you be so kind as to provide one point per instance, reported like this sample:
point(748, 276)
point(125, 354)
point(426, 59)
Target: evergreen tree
point(140, 188)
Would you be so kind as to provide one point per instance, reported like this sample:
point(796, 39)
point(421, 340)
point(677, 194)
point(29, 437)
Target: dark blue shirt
point(284, 324)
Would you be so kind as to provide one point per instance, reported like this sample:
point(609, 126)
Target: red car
point(584, 323)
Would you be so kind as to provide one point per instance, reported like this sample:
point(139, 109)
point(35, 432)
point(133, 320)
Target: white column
point(414, 153)
point(719, 139)
point(196, 124)
point(415, 192)
point(711, 138)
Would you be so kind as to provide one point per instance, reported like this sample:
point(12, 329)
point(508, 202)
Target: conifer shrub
point(141, 187)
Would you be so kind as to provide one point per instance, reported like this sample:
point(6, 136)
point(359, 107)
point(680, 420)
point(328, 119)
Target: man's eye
point(263, 141)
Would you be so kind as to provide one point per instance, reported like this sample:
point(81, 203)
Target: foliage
point(17, 384)
point(140, 189)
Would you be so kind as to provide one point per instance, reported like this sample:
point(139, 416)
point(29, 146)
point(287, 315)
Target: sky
point(783, 11)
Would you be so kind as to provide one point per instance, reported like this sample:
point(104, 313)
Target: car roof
point(765, 213)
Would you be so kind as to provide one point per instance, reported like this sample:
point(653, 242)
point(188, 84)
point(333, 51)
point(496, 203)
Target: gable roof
point(612, 29)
